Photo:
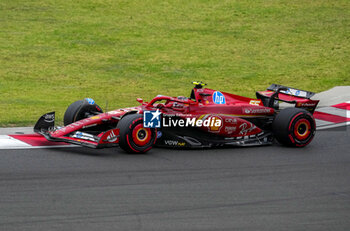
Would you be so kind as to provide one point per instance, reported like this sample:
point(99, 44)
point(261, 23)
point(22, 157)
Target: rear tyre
point(134, 138)
point(294, 127)
point(80, 110)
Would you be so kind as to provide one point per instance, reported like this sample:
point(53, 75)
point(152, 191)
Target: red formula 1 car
point(208, 118)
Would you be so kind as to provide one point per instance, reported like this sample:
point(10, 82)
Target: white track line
point(38, 147)
point(335, 111)
point(333, 125)
point(8, 142)
point(320, 123)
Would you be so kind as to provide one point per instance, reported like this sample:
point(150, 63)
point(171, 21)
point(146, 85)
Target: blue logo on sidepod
point(219, 98)
point(90, 101)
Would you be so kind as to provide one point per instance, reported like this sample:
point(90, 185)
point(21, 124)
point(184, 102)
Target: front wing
point(109, 138)
point(46, 127)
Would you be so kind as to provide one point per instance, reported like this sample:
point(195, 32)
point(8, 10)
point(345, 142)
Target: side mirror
point(139, 100)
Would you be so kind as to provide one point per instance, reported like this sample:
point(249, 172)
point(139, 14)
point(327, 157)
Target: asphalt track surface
point(260, 188)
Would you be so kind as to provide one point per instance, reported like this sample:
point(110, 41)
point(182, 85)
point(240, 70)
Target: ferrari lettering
point(306, 104)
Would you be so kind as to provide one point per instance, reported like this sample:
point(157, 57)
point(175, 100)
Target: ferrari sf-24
point(207, 118)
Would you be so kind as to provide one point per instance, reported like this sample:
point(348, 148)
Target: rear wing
point(279, 93)
point(291, 91)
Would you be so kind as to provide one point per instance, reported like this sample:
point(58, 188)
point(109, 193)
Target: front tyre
point(294, 127)
point(134, 138)
point(80, 109)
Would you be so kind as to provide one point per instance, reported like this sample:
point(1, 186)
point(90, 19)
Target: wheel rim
point(140, 135)
point(302, 129)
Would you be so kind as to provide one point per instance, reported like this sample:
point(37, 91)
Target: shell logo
point(214, 128)
point(215, 122)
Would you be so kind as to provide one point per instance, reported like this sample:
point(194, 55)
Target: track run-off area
point(257, 188)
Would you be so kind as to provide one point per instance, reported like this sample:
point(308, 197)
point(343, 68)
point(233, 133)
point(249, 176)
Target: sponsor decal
point(49, 118)
point(114, 112)
point(76, 125)
point(90, 101)
point(111, 137)
point(246, 128)
point(159, 134)
point(94, 117)
point(219, 98)
point(84, 136)
point(231, 120)
point(174, 143)
point(213, 122)
point(79, 135)
point(257, 110)
point(230, 130)
point(306, 104)
point(91, 125)
point(151, 119)
point(154, 119)
point(215, 127)
point(256, 102)
point(295, 92)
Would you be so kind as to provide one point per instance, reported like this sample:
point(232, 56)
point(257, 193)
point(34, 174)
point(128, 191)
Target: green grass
point(55, 52)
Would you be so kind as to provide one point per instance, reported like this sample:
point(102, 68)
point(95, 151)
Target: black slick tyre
point(134, 138)
point(294, 127)
point(80, 109)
